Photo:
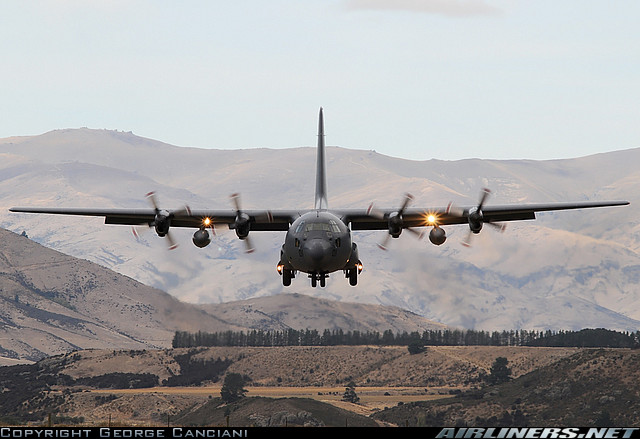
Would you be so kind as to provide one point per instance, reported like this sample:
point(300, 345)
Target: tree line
point(448, 337)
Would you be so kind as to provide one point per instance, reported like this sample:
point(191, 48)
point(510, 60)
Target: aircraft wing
point(260, 220)
point(358, 219)
point(361, 219)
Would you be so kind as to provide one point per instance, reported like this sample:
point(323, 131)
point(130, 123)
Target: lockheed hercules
point(319, 241)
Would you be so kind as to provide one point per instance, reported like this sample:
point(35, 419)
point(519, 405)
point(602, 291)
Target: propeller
point(242, 224)
point(138, 231)
point(475, 217)
point(162, 220)
point(395, 221)
point(467, 241)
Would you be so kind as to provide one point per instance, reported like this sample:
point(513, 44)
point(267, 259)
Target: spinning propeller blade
point(162, 220)
point(396, 225)
point(242, 224)
point(475, 217)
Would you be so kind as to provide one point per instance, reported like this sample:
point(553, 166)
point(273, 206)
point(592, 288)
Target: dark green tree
point(416, 347)
point(500, 372)
point(350, 394)
point(232, 388)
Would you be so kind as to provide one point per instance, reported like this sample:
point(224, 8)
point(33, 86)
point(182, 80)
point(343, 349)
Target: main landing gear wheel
point(286, 277)
point(353, 277)
point(352, 274)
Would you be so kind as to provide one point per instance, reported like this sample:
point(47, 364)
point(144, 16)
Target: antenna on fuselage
point(321, 180)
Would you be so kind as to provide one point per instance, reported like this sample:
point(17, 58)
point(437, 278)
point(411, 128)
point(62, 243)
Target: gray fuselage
point(318, 242)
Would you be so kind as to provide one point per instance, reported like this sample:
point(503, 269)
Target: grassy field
point(371, 398)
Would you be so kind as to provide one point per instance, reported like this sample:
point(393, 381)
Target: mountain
point(566, 270)
point(51, 303)
point(298, 311)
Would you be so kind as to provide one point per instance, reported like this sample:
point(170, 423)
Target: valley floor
point(372, 399)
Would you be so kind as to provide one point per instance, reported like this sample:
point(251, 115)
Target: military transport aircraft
point(318, 241)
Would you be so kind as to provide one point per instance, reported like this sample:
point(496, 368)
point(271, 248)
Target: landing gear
point(352, 274)
point(286, 274)
point(353, 277)
point(315, 277)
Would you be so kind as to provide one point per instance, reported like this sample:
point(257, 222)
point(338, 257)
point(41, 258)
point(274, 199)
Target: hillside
point(566, 270)
point(274, 412)
point(57, 384)
point(594, 387)
point(51, 303)
point(442, 386)
point(443, 366)
point(299, 311)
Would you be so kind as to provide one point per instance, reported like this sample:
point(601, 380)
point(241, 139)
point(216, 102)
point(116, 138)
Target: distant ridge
point(567, 270)
point(298, 311)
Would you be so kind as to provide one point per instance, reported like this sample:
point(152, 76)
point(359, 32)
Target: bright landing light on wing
point(206, 222)
point(431, 219)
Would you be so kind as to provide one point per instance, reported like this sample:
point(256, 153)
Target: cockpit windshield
point(331, 226)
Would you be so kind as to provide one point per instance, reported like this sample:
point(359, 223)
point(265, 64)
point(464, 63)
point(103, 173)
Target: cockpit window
point(332, 226)
point(317, 227)
point(300, 227)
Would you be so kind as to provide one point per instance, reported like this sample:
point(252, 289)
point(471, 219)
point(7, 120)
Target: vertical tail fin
point(321, 181)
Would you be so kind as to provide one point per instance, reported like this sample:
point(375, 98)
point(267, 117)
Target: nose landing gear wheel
point(315, 277)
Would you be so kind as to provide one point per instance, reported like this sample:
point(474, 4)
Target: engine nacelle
point(242, 225)
point(437, 236)
point(161, 223)
point(475, 220)
point(201, 238)
point(395, 223)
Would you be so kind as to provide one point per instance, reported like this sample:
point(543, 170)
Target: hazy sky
point(418, 79)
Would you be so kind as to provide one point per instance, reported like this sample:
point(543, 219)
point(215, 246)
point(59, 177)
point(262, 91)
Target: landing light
point(431, 219)
point(360, 267)
point(206, 222)
point(280, 267)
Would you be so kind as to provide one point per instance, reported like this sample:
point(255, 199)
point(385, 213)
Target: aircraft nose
point(316, 250)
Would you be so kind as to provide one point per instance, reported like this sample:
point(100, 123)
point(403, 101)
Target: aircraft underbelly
point(317, 255)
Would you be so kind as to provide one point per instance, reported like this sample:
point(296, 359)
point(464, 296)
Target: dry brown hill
point(442, 366)
point(593, 387)
point(384, 376)
point(51, 303)
point(299, 311)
